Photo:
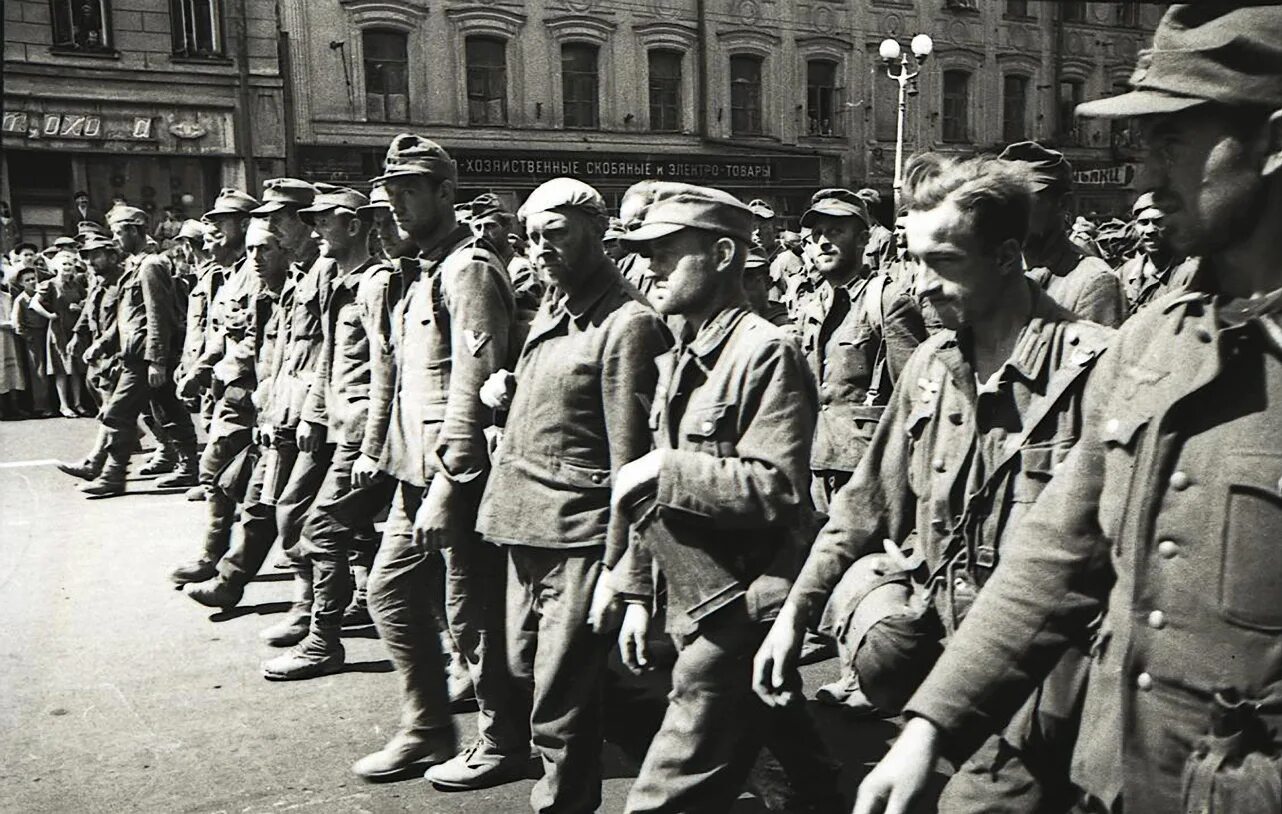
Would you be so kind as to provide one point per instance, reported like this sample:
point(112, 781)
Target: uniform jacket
point(147, 314)
point(378, 330)
point(1083, 284)
point(735, 409)
point(302, 334)
point(1144, 282)
point(1166, 517)
point(209, 278)
point(844, 347)
point(450, 332)
point(585, 383)
point(339, 396)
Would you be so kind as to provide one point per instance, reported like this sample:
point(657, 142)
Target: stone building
point(161, 102)
point(767, 98)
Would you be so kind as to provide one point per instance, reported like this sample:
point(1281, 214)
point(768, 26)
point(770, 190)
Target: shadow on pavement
point(245, 610)
point(382, 666)
point(279, 576)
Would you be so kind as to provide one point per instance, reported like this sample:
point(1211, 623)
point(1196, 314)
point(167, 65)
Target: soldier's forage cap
point(414, 155)
point(1141, 203)
point(378, 199)
point(1226, 52)
point(192, 230)
point(836, 203)
point(88, 227)
point(487, 205)
point(93, 242)
point(869, 196)
point(232, 202)
point(66, 243)
point(761, 209)
point(1050, 169)
point(330, 198)
point(279, 193)
point(127, 216)
point(655, 209)
point(562, 193)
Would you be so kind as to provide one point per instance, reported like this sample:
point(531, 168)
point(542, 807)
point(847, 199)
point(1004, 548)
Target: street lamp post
point(907, 79)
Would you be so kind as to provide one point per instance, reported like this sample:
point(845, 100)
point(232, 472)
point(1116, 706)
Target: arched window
point(486, 80)
point(387, 93)
point(580, 79)
point(1014, 107)
point(745, 95)
point(822, 113)
point(665, 90)
point(956, 106)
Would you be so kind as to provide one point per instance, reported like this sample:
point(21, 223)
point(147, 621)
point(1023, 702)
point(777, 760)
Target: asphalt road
point(119, 694)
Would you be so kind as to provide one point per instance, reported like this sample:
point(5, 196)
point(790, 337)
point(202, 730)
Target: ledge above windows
point(405, 15)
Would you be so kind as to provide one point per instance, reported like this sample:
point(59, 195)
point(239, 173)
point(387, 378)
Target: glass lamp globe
point(889, 50)
point(922, 45)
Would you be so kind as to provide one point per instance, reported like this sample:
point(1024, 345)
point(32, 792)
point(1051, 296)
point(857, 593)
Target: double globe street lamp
point(890, 53)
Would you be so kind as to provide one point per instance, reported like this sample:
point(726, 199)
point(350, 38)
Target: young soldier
point(451, 331)
point(1081, 283)
point(988, 407)
point(578, 414)
point(1156, 269)
point(1166, 516)
point(149, 340)
point(721, 504)
point(857, 333)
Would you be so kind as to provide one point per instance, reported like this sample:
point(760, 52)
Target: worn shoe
point(310, 658)
point(194, 571)
point(458, 681)
point(406, 750)
point(162, 461)
point(357, 615)
point(85, 470)
point(215, 593)
point(182, 477)
point(196, 494)
point(105, 485)
point(288, 631)
point(477, 768)
point(846, 694)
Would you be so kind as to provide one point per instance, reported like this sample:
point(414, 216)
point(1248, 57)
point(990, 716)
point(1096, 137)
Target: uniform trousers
point(133, 396)
point(220, 506)
point(400, 601)
point(560, 663)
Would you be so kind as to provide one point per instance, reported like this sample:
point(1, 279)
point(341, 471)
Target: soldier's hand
point(774, 669)
point(498, 390)
point(898, 780)
point(435, 522)
point(637, 477)
point(310, 436)
point(364, 471)
point(188, 387)
point(156, 376)
point(633, 645)
point(606, 610)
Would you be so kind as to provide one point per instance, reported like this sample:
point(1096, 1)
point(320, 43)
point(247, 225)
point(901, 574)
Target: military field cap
point(562, 193)
point(1226, 52)
point(1050, 169)
point(869, 196)
point(66, 243)
point(655, 209)
point(378, 199)
point(761, 209)
point(1143, 202)
point(93, 242)
point(127, 215)
point(837, 203)
point(192, 230)
point(86, 227)
point(331, 198)
point(232, 202)
point(410, 154)
point(279, 193)
point(487, 205)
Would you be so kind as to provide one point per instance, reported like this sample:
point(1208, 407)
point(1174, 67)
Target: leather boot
point(196, 494)
point(357, 613)
point(195, 571)
point(406, 750)
point(293, 628)
point(216, 593)
point(111, 481)
point(314, 656)
point(186, 472)
point(92, 465)
point(163, 460)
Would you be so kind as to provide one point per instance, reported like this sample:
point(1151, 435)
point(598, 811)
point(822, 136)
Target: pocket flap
point(585, 477)
point(703, 421)
point(1120, 431)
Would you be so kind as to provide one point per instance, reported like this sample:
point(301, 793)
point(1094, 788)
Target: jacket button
point(707, 426)
point(1144, 682)
point(823, 406)
point(938, 464)
point(597, 477)
point(1168, 548)
point(1202, 334)
point(1180, 481)
point(1157, 620)
point(1113, 425)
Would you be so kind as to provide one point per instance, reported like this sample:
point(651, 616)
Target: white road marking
point(20, 464)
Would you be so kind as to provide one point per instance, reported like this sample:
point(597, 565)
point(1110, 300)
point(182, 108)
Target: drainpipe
point(702, 95)
point(244, 132)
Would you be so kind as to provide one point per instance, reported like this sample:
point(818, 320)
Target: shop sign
point(1118, 175)
point(615, 167)
point(77, 126)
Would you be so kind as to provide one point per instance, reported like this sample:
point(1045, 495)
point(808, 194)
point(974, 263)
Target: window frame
point(370, 67)
point(1067, 127)
point(1008, 136)
point(593, 121)
point(756, 116)
point(64, 9)
point(1072, 11)
point(490, 71)
point(671, 85)
point(814, 98)
point(961, 106)
point(179, 30)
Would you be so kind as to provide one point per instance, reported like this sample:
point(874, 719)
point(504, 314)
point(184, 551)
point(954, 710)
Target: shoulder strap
point(875, 313)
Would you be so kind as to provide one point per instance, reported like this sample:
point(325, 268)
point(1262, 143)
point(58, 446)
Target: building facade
point(158, 102)
point(766, 98)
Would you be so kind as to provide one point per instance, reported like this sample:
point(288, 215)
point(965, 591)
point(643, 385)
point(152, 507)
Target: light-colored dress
point(13, 375)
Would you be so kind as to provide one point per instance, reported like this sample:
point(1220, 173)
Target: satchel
point(1237, 767)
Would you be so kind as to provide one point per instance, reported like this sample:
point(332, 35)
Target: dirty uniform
point(208, 279)
point(953, 468)
point(451, 330)
point(734, 409)
point(1144, 282)
point(95, 331)
point(1083, 284)
point(1166, 519)
point(584, 383)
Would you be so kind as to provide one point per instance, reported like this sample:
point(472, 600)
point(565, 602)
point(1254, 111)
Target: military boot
point(185, 473)
point(195, 571)
point(217, 592)
point(293, 628)
point(162, 461)
point(357, 613)
point(111, 481)
point(92, 465)
point(314, 656)
point(407, 749)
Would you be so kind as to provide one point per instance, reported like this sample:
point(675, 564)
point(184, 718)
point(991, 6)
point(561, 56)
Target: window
point(579, 85)
point(1072, 11)
point(81, 25)
point(665, 91)
point(1127, 14)
point(1123, 135)
point(956, 104)
point(1017, 9)
point(885, 102)
point(822, 98)
point(1014, 107)
point(745, 95)
point(964, 5)
point(486, 80)
point(197, 28)
point(1070, 96)
point(387, 91)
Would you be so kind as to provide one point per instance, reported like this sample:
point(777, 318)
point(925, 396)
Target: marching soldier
point(1076, 280)
point(1155, 270)
point(986, 409)
point(1165, 517)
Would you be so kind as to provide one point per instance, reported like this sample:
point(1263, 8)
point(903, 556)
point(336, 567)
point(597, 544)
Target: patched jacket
point(339, 396)
point(585, 384)
point(735, 409)
point(1166, 517)
point(147, 313)
point(452, 329)
point(854, 348)
point(1083, 284)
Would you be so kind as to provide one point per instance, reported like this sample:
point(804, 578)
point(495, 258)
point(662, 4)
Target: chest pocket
point(1250, 524)
point(1037, 465)
point(850, 354)
point(708, 429)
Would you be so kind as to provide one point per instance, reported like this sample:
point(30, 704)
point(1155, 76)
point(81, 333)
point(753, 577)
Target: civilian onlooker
point(13, 375)
point(62, 296)
point(32, 324)
point(10, 230)
point(81, 210)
